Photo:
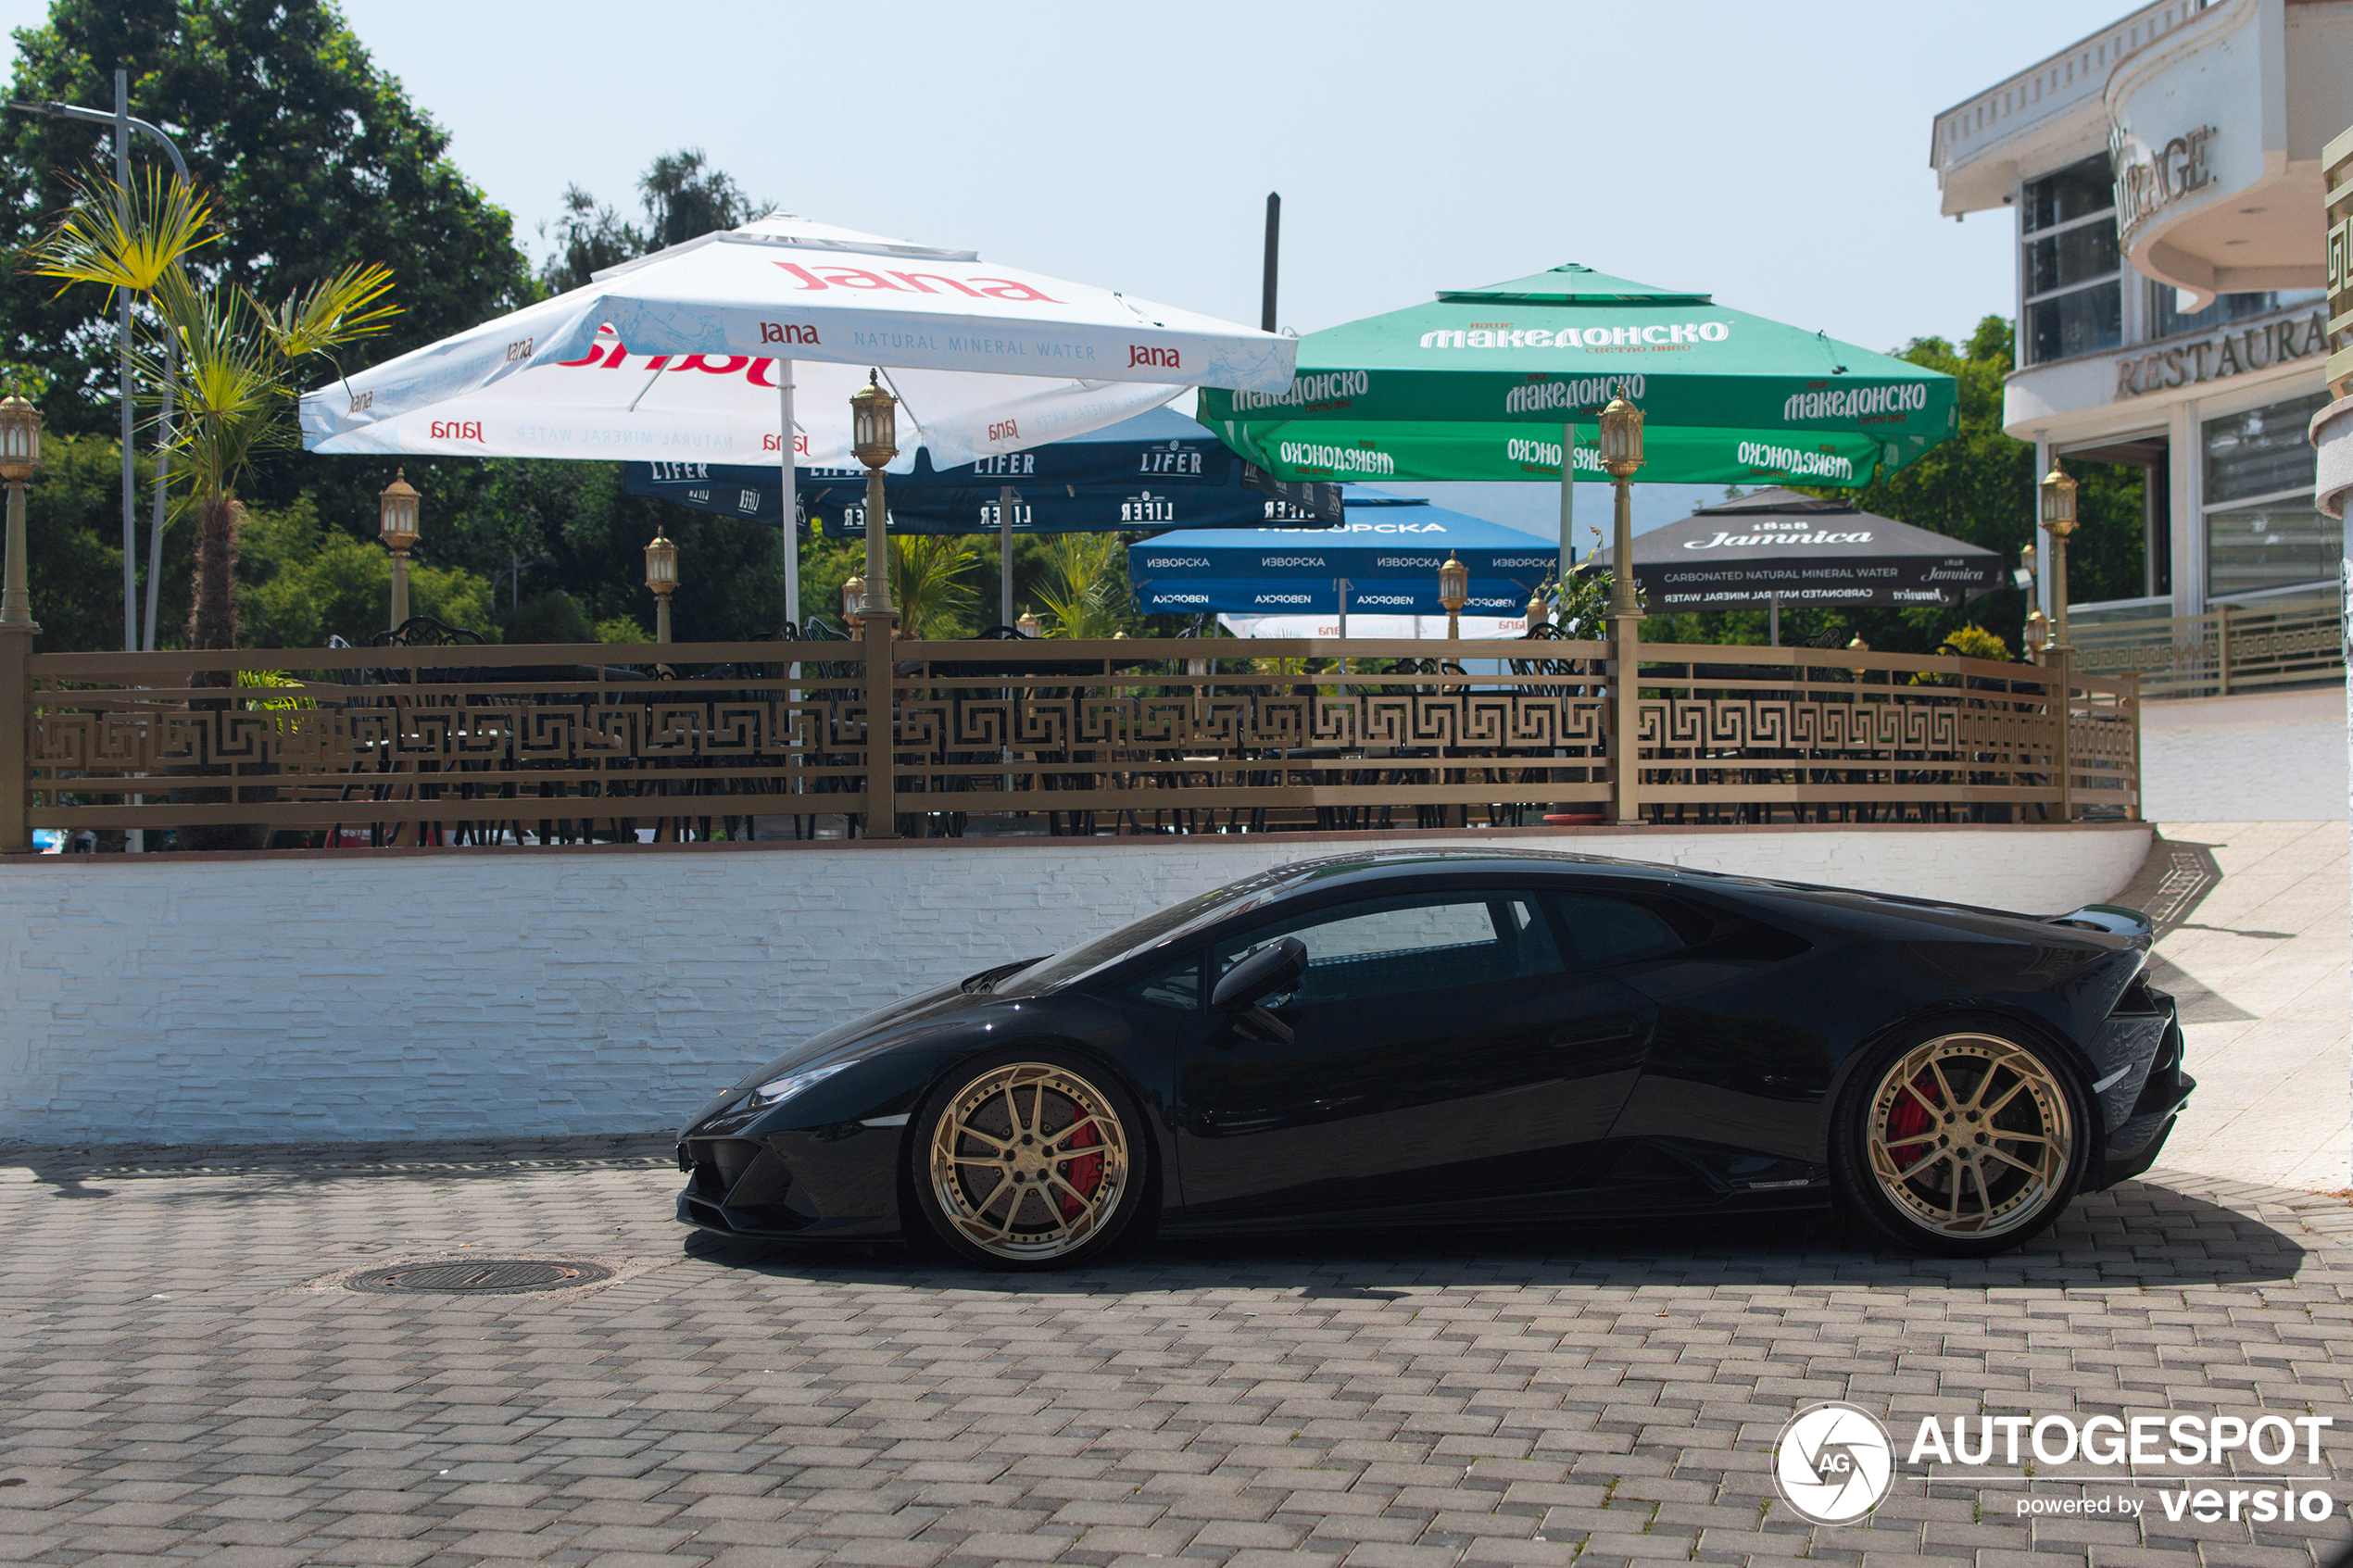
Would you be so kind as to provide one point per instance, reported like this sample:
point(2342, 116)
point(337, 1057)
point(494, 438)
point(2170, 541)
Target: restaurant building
point(2164, 180)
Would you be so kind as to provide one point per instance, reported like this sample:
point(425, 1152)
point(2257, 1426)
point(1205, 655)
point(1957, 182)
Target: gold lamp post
point(853, 600)
point(2038, 633)
point(1029, 625)
point(2058, 521)
point(397, 525)
point(873, 439)
point(19, 460)
point(1539, 612)
point(661, 576)
point(1454, 592)
point(874, 425)
point(1859, 646)
point(1621, 444)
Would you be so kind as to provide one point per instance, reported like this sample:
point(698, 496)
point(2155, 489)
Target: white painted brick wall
point(449, 994)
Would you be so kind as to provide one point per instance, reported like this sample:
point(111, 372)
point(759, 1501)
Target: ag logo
point(1833, 1463)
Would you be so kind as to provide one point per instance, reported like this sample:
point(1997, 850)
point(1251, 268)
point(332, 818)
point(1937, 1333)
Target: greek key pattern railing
point(564, 745)
point(2228, 650)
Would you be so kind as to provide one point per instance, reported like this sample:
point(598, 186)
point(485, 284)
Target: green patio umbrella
point(1492, 385)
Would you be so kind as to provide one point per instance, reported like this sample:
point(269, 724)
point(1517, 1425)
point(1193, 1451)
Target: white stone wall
point(392, 994)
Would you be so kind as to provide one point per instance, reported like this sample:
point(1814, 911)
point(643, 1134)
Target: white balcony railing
point(2051, 87)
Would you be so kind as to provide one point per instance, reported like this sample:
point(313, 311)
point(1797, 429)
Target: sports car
point(1472, 1037)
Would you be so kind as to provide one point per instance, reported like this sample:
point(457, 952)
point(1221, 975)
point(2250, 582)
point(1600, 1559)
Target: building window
point(2070, 281)
point(2262, 532)
point(2166, 320)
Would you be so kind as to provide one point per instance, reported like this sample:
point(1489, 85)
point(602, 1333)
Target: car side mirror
point(1280, 964)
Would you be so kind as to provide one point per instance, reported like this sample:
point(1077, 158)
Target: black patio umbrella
point(1778, 547)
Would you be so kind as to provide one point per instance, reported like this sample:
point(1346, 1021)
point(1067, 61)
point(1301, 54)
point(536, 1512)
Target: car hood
point(892, 1024)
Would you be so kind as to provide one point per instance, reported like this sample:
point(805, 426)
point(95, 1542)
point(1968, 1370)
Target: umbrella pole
point(1341, 584)
point(1568, 503)
point(1773, 620)
point(792, 499)
point(1005, 555)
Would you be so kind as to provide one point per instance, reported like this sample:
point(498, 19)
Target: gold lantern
point(1621, 439)
point(396, 526)
point(661, 577)
point(1454, 592)
point(19, 439)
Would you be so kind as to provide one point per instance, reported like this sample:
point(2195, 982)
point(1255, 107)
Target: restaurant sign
point(2223, 354)
point(2150, 184)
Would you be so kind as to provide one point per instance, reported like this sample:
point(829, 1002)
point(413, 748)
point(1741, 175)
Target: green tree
point(682, 197)
point(316, 157)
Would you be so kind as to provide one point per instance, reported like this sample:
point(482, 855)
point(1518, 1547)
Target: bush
point(303, 582)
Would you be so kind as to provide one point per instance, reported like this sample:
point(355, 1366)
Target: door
point(1441, 1052)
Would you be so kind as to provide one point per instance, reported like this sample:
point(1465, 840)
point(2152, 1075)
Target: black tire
point(1962, 1139)
point(1051, 1204)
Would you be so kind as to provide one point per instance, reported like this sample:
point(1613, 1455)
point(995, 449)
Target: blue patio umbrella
point(1275, 596)
point(1388, 552)
point(1159, 469)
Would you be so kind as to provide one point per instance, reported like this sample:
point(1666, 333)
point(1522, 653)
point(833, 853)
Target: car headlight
point(777, 1090)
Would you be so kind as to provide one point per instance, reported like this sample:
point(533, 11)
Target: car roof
point(1328, 870)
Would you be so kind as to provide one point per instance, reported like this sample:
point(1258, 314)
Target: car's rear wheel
point(1964, 1139)
point(1029, 1161)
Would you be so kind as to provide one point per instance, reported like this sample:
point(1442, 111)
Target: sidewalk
point(2255, 941)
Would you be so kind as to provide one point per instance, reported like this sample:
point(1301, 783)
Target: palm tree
point(927, 581)
point(129, 240)
point(240, 356)
point(1086, 592)
point(241, 359)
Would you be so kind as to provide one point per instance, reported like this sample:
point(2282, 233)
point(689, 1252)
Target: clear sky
point(1775, 155)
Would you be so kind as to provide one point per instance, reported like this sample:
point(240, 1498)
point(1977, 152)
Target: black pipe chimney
point(1274, 235)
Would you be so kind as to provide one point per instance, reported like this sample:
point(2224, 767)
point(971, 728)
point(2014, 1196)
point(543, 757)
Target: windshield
point(1167, 924)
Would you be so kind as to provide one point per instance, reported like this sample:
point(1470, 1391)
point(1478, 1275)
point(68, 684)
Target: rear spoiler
point(2113, 919)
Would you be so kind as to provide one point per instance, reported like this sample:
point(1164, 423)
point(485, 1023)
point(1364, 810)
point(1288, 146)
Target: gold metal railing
point(556, 744)
point(2231, 649)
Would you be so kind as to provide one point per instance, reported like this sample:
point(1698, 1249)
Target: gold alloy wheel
point(1029, 1160)
point(1970, 1135)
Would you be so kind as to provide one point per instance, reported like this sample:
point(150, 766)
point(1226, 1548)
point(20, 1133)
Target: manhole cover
point(483, 1276)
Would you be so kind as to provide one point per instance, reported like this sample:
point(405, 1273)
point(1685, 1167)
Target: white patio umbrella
point(699, 354)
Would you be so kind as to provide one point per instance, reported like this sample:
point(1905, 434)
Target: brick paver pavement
point(177, 1382)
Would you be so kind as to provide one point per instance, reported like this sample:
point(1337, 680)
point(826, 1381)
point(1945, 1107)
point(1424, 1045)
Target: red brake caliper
point(1084, 1174)
point(1908, 1121)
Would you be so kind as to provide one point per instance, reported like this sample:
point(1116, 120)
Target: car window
point(1407, 943)
point(1602, 930)
point(1174, 986)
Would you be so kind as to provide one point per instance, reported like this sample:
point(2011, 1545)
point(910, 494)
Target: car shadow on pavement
point(2138, 1235)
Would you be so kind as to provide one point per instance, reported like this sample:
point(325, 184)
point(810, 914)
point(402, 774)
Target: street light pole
point(873, 426)
point(1621, 452)
point(396, 522)
point(2058, 521)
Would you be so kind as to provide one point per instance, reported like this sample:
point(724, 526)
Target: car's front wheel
point(1029, 1161)
point(1961, 1139)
